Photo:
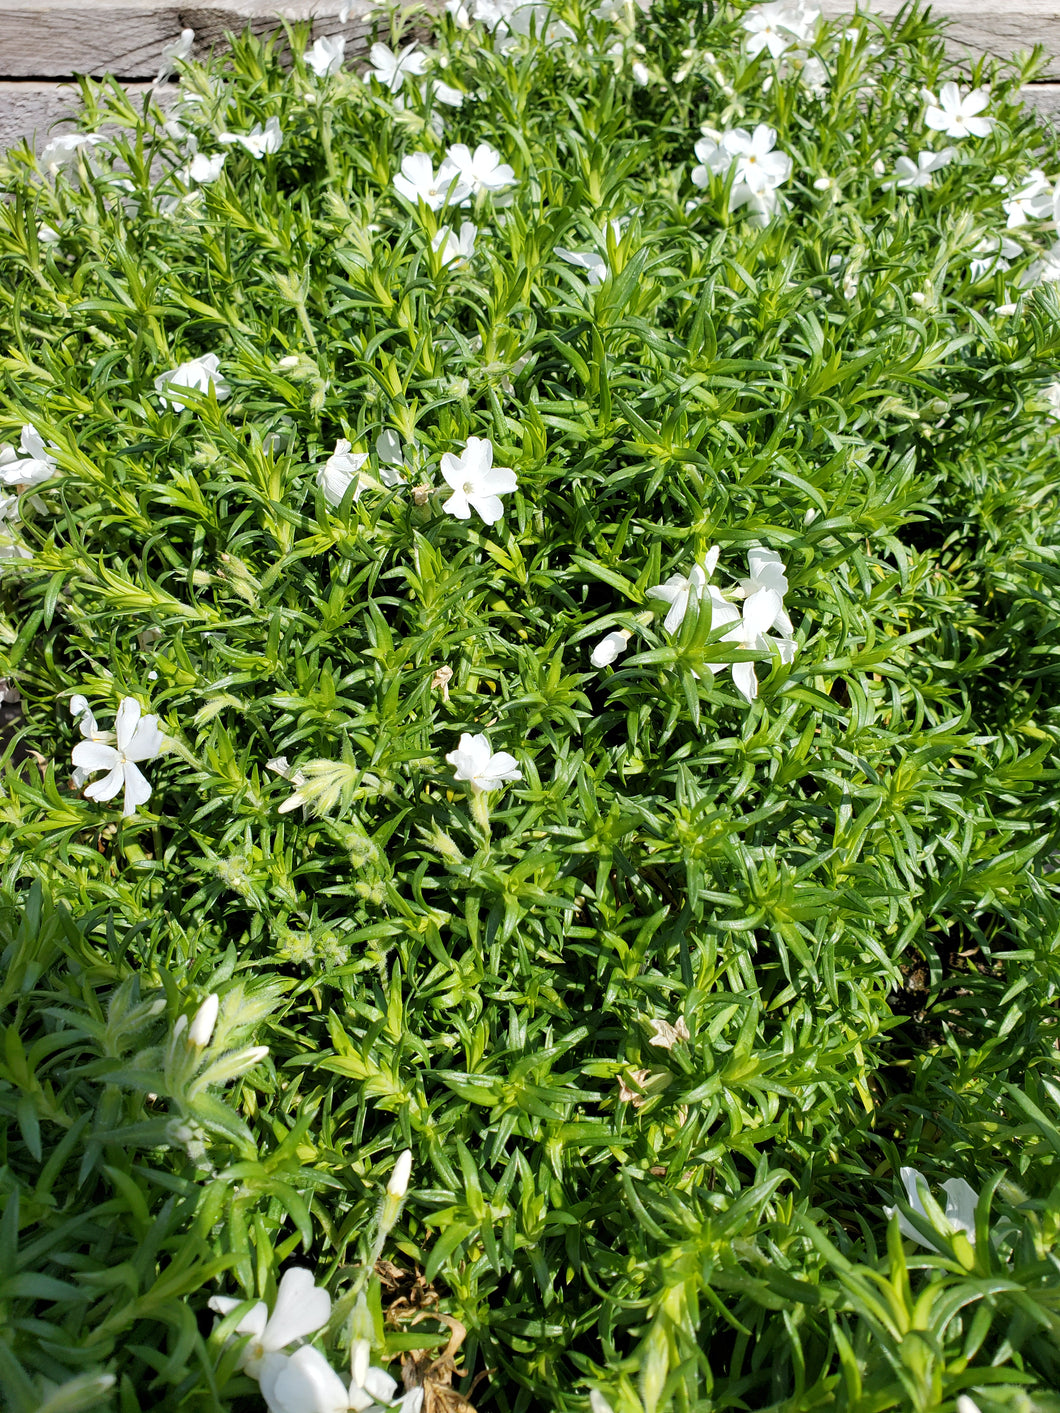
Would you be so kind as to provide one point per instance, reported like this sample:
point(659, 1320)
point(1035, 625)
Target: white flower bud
point(360, 1359)
point(609, 647)
point(205, 1019)
point(399, 1178)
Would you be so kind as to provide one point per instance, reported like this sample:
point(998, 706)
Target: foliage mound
point(663, 1013)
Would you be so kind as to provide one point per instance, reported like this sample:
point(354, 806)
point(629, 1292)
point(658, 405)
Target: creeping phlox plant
point(530, 638)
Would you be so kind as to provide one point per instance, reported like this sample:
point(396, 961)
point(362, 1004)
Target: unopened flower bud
point(399, 1178)
point(205, 1019)
point(360, 1359)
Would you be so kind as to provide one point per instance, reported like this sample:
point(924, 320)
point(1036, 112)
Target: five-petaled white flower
point(390, 69)
point(961, 1202)
point(759, 168)
point(610, 646)
point(475, 762)
point(198, 374)
point(417, 182)
point(137, 738)
point(301, 1308)
point(909, 175)
point(325, 56)
point(260, 140)
point(683, 591)
point(456, 248)
point(481, 170)
point(956, 114)
point(1031, 202)
point(777, 26)
point(476, 483)
point(341, 470)
point(30, 465)
point(761, 610)
point(594, 265)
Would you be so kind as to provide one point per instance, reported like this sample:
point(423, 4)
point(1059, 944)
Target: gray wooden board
point(53, 38)
point(56, 38)
point(998, 27)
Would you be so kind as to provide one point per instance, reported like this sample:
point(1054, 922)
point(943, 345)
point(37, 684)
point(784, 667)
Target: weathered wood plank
point(35, 110)
point(998, 27)
point(56, 38)
point(53, 38)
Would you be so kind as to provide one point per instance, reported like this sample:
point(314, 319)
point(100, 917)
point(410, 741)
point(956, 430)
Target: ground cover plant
point(531, 564)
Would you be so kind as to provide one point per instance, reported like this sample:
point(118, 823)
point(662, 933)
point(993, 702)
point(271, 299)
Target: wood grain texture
point(37, 110)
point(56, 38)
point(997, 27)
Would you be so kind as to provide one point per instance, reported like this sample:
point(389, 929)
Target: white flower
point(301, 1309)
point(370, 1386)
point(765, 570)
point(199, 374)
point(60, 154)
point(682, 592)
point(992, 254)
point(443, 93)
point(474, 761)
point(138, 738)
point(34, 465)
point(417, 182)
point(909, 174)
point(610, 647)
point(340, 471)
point(961, 1201)
point(259, 140)
point(476, 483)
point(175, 52)
point(390, 69)
point(955, 114)
point(205, 169)
point(326, 55)
point(302, 1382)
point(667, 1035)
point(82, 714)
point(48, 235)
point(1031, 202)
point(593, 264)
point(642, 76)
point(481, 170)
point(1043, 271)
point(759, 169)
point(391, 458)
point(204, 1020)
point(777, 26)
point(760, 612)
point(456, 248)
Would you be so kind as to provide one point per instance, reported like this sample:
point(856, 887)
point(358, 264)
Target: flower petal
point(302, 1308)
point(137, 788)
point(108, 787)
point(126, 721)
point(94, 755)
